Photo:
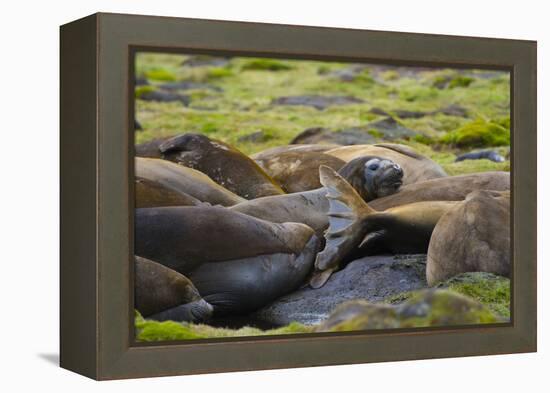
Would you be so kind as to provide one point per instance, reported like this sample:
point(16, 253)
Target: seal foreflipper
point(347, 211)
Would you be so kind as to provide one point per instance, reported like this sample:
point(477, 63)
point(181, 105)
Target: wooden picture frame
point(97, 315)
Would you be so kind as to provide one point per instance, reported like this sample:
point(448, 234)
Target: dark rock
point(352, 136)
point(401, 113)
point(137, 126)
point(255, 137)
point(316, 101)
point(164, 96)
point(453, 110)
point(372, 278)
point(379, 111)
point(348, 74)
point(188, 85)
point(390, 129)
point(205, 61)
point(479, 155)
point(140, 81)
point(387, 129)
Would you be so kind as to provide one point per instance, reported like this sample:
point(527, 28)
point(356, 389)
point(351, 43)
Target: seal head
point(373, 177)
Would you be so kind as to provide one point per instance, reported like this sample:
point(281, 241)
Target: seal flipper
point(347, 212)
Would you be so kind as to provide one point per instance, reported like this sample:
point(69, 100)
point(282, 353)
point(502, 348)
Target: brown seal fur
point(298, 171)
point(184, 181)
point(275, 151)
point(162, 293)
point(353, 223)
point(310, 207)
point(451, 188)
point(152, 194)
point(223, 163)
point(416, 166)
point(237, 262)
point(473, 236)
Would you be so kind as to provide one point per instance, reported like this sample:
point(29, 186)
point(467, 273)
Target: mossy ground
point(250, 84)
point(148, 330)
point(243, 107)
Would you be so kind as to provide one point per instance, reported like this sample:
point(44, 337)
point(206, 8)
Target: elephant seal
point(184, 181)
point(372, 178)
point(150, 149)
point(416, 167)
point(164, 294)
point(152, 194)
point(275, 151)
point(354, 224)
point(451, 188)
point(238, 263)
point(298, 171)
point(223, 163)
point(473, 236)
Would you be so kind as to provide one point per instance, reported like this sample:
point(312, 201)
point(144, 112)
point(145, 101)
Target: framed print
point(242, 196)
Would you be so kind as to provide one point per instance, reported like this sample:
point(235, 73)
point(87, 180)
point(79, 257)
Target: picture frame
point(97, 152)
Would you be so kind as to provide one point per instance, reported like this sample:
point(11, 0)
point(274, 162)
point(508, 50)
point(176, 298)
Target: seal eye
point(374, 166)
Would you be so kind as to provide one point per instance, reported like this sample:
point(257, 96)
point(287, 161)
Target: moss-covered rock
point(489, 289)
point(486, 288)
point(144, 89)
point(479, 133)
point(266, 65)
point(460, 81)
point(423, 309)
point(218, 73)
point(160, 74)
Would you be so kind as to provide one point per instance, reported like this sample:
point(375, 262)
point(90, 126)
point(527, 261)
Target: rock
point(401, 113)
point(427, 308)
point(453, 110)
point(390, 129)
point(320, 135)
point(473, 236)
point(255, 137)
point(205, 61)
point(348, 74)
point(164, 96)
point(479, 155)
point(373, 278)
point(137, 126)
point(141, 81)
point(387, 129)
point(188, 85)
point(316, 101)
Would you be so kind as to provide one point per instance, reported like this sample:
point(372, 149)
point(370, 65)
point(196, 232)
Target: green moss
point(219, 72)
point(364, 77)
point(141, 90)
point(160, 74)
point(460, 81)
point(266, 65)
point(421, 138)
point(148, 330)
point(478, 133)
point(390, 75)
point(375, 133)
point(491, 290)
point(503, 121)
